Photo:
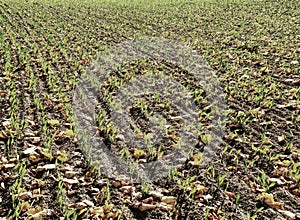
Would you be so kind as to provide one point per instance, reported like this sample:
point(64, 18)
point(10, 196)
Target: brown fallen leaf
point(107, 207)
point(38, 216)
point(97, 211)
point(269, 200)
point(277, 181)
point(88, 202)
point(2, 185)
point(169, 199)
point(66, 168)
point(25, 206)
point(231, 137)
point(148, 200)
point(296, 192)
point(143, 206)
point(165, 207)
point(30, 133)
point(62, 156)
point(127, 189)
point(3, 135)
point(38, 213)
point(33, 140)
point(9, 166)
point(296, 82)
point(78, 205)
point(81, 211)
point(34, 157)
point(288, 214)
point(70, 181)
point(294, 62)
point(36, 191)
point(230, 194)
point(25, 195)
point(267, 141)
point(156, 194)
point(122, 181)
point(6, 124)
point(137, 153)
point(4, 160)
point(291, 104)
point(197, 188)
point(281, 138)
point(13, 160)
point(30, 150)
point(70, 174)
point(45, 167)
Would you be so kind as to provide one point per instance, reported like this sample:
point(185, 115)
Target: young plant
point(221, 180)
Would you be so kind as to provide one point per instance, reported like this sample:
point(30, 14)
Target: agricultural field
point(253, 49)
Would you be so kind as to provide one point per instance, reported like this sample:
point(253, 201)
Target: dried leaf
point(156, 194)
point(34, 157)
point(267, 141)
point(62, 156)
point(128, 189)
point(97, 211)
point(207, 197)
point(197, 189)
point(88, 202)
point(78, 205)
point(6, 124)
point(165, 207)
point(34, 210)
point(70, 174)
point(176, 118)
point(29, 150)
point(110, 215)
point(148, 200)
point(81, 211)
point(281, 138)
point(3, 135)
point(38, 183)
point(269, 200)
point(9, 165)
point(288, 214)
point(25, 206)
point(2, 185)
point(230, 194)
point(107, 207)
point(169, 199)
point(25, 195)
point(45, 167)
point(137, 153)
point(144, 207)
point(231, 137)
point(277, 181)
point(33, 140)
point(257, 112)
point(53, 122)
point(70, 181)
point(296, 192)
